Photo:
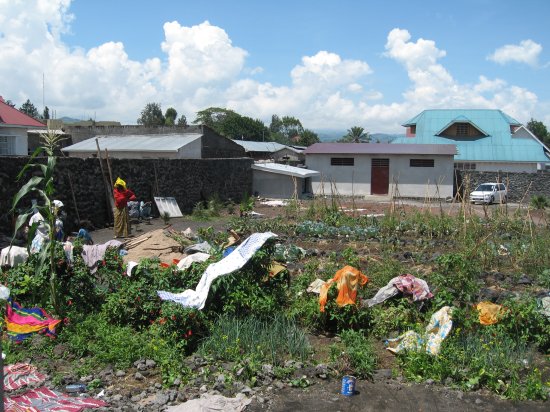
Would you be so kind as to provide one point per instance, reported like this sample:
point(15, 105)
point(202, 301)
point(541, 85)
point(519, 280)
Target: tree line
point(30, 110)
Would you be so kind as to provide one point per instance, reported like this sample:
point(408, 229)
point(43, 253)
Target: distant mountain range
point(333, 135)
point(69, 120)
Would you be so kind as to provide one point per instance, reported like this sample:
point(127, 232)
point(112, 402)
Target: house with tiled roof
point(486, 140)
point(13, 130)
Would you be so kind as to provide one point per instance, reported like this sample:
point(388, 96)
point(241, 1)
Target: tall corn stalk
point(42, 185)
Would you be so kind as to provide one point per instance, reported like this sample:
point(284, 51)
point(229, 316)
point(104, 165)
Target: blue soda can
point(348, 385)
point(77, 387)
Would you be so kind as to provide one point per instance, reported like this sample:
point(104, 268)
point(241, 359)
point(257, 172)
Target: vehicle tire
point(492, 200)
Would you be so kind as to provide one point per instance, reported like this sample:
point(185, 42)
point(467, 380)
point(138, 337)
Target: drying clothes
point(213, 403)
point(315, 286)
point(347, 279)
point(21, 374)
point(186, 262)
point(408, 284)
point(22, 322)
point(13, 256)
point(489, 313)
point(437, 330)
point(92, 254)
point(413, 286)
point(236, 260)
point(46, 400)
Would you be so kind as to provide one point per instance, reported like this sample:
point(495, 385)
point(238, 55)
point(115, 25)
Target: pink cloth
point(410, 285)
point(46, 400)
point(21, 374)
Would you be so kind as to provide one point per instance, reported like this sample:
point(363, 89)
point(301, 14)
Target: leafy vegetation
point(252, 318)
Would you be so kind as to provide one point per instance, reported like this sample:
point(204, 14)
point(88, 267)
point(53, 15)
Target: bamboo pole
point(108, 191)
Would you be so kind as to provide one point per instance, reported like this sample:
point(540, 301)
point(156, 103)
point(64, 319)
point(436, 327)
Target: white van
point(489, 193)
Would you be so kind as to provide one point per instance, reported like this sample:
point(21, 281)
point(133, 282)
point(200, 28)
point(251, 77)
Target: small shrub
point(355, 354)
point(539, 202)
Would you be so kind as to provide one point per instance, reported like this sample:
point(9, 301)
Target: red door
point(380, 176)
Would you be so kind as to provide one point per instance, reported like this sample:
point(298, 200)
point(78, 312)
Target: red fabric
point(122, 197)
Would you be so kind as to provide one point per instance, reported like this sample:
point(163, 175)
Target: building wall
point(408, 181)
point(189, 181)
point(506, 167)
point(216, 146)
point(20, 133)
point(276, 185)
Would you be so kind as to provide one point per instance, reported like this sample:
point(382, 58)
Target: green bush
point(355, 354)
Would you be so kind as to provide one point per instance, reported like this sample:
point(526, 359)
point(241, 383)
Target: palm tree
point(355, 134)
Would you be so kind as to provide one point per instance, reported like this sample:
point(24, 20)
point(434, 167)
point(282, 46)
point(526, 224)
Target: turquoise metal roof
point(499, 146)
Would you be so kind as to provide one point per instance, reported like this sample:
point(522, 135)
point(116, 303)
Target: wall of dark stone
point(187, 180)
point(521, 186)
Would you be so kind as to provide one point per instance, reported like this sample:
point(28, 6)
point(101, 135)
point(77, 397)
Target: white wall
point(21, 143)
point(275, 185)
point(355, 180)
point(128, 155)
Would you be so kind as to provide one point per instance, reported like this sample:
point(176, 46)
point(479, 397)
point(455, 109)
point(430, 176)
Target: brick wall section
point(520, 185)
point(189, 181)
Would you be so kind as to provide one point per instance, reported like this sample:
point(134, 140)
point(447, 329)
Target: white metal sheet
point(168, 205)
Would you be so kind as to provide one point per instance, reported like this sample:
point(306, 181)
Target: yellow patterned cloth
point(121, 221)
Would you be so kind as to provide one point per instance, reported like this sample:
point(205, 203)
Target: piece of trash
point(348, 385)
point(195, 257)
point(75, 388)
point(101, 394)
point(503, 251)
point(130, 267)
point(122, 252)
point(228, 250)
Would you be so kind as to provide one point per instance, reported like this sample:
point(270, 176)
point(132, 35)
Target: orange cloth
point(348, 279)
point(489, 313)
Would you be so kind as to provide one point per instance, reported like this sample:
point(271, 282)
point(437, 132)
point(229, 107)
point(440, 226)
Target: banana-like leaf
point(21, 220)
point(27, 188)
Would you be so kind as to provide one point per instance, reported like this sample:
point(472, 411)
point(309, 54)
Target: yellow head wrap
point(120, 182)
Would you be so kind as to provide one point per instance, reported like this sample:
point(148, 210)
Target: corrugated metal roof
point(250, 146)
point(498, 146)
point(135, 143)
point(285, 169)
point(381, 148)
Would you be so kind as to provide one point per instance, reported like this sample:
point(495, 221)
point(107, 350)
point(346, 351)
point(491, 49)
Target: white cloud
point(201, 67)
point(527, 51)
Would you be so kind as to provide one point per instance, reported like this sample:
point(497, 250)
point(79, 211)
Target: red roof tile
point(13, 117)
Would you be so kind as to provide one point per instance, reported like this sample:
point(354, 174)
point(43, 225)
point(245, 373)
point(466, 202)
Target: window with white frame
point(7, 145)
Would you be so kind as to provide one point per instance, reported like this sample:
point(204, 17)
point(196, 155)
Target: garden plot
point(273, 341)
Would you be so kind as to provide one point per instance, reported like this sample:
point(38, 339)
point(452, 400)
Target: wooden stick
point(109, 167)
point(108, 191)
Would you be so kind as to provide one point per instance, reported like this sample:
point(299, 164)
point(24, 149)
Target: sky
point(333, 64)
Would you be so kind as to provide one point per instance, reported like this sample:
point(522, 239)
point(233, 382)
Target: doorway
point(380, 176)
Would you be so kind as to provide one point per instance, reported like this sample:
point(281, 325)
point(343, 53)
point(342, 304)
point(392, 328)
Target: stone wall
point(188, 180)
point(520, 185)
point(80, 133)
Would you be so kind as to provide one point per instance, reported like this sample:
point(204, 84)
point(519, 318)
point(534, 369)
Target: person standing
point(122, 196)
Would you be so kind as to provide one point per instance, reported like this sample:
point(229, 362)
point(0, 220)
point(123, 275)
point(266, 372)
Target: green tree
point(29, 109)
point(355, 134)
point(10, 103)
point(182, 121)
point(170, 116)
point(307, 138)
point(283, 129)
point(538, 129)
point(151, 115)
point(231, 124)
point(46, 113)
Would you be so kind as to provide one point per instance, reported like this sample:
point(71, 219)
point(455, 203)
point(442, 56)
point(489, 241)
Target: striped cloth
point(46, 400)
point(21, 374)
point(21, 322)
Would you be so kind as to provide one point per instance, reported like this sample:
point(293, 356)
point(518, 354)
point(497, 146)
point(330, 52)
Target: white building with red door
point(399, 170)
